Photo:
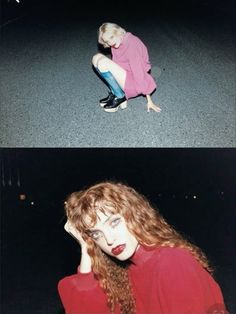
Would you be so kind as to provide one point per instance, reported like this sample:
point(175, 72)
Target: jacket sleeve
point(186, 287)
point(81, 293)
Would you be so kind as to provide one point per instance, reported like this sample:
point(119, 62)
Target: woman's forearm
point(85, 262)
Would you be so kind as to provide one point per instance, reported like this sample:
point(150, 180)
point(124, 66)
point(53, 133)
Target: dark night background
point(194, 190)
point(71, 10)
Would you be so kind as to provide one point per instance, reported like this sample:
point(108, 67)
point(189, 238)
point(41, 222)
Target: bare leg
point(151, 105)
point(105, 64)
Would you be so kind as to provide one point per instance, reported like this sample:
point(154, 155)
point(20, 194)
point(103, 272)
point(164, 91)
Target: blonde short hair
point(109, 27)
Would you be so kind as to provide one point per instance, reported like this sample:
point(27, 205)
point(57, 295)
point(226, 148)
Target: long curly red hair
point(142, 220)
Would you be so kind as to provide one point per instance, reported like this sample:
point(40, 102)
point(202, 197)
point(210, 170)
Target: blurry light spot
point(32, 203)
point(22, 197)
point(186, 196)
point(194, 196)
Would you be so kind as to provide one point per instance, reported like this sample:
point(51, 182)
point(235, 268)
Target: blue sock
point(114, 86)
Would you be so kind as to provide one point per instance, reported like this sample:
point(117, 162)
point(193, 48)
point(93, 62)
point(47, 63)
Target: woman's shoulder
point(80, 281)
point(167, 255)
point(174, 252)
point(132, 37)
point(177, 257)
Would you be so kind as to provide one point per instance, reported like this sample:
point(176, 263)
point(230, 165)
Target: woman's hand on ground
point(152, 106)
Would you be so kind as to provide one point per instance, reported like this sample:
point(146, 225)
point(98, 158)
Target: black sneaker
point(104, 101)
point(114, 104)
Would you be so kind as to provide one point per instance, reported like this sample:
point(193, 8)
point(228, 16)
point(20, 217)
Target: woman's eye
point(115, 222)
point(96, 235)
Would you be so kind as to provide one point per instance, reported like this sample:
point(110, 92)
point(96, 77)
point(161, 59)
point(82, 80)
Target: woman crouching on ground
point(127, 74)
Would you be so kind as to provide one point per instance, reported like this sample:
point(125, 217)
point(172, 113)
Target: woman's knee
point(103, 63)
point(95, 58)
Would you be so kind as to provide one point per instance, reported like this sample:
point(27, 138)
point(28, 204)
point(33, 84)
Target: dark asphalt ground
point(49, 92)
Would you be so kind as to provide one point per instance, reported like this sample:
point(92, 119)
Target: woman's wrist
point(85, 263)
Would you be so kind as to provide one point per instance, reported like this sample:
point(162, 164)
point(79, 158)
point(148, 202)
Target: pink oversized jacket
point(164, 281)
point(132, 56)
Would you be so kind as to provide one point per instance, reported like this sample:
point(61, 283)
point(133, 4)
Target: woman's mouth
point(118, 249)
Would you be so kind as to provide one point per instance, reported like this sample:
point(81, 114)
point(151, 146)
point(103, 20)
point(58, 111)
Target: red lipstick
point(118, 249)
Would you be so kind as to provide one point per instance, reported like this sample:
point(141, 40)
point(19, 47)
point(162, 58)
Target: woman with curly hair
point(132, 260)
point(127, 72)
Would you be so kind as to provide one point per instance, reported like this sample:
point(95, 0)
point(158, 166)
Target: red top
point(164, 280)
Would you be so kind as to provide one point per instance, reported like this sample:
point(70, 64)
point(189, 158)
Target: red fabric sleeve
point(81, 293)
point(185, 286)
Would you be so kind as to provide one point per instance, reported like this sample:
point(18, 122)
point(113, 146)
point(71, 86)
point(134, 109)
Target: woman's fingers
point(73, 232)
point(153, 107)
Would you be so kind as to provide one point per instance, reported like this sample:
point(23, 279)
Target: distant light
point(18, 1)
point(194, 196)
point(22, 197)
point(186, 196)
point(222, 192)
point(65, 203)
point(32, 203)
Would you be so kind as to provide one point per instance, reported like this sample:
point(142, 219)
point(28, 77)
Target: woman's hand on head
point(70, 228)
point(85, 262)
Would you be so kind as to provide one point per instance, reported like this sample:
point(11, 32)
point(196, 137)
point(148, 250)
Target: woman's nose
point(109, 237)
